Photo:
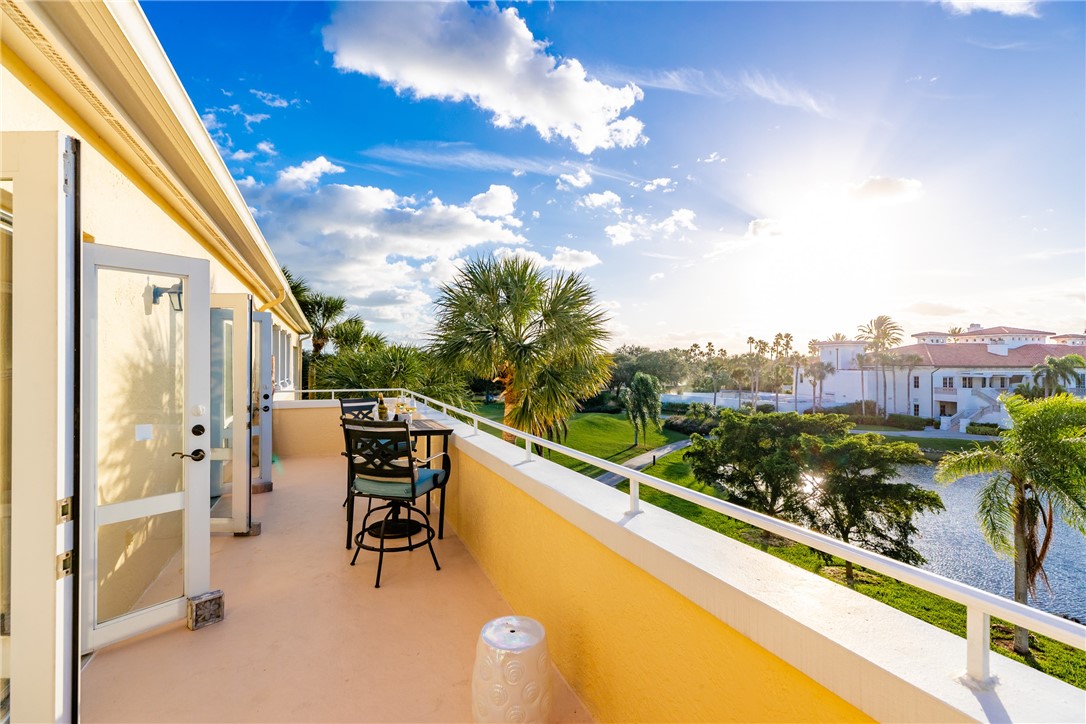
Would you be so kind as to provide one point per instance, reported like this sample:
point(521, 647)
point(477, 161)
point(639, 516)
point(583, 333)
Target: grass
point(1052, 657)
point(606, 436)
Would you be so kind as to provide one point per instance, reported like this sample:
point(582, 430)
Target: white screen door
point(231, 351)
point(146, 402)
point(263, 387)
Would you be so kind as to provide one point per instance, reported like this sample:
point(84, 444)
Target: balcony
point(649, 616)
point(951, 391)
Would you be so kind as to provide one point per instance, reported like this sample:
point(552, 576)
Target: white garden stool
point(511, 680)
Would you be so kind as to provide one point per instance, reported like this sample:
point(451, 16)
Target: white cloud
point(891, 190)
point(211, 121)
point(271, 99)
point(267, 148)
point(518, 172)
point(621, 233)
point(764, 228)
point(579, 180)
point(656, 276)
point(713, 157)
point(535, 214)
point(607, 200)
point(1027, 8)
point(248, 183)
point(384, 252)
point(488, 56)
point(767, 87)
point(679, 219)
point(254, 118)
point(240, 155)
point(496, 201)
point(563, 258)
point(306, 174)
point(658, 183)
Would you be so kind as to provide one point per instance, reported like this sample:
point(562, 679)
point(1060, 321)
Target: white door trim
point(241, 369)
point(193, 500)
point(39, 651)
point(262, 417)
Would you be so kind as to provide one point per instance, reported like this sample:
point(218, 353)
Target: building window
point(967, 383)
point(916, 382)
point(948, 382)
point(983, 382)
point(916, 410)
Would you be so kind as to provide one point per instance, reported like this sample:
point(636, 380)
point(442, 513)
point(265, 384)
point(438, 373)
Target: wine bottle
point(382, 408)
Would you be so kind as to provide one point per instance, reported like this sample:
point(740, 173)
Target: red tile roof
point(929, 334)
point(969, 354)
point(990, 331)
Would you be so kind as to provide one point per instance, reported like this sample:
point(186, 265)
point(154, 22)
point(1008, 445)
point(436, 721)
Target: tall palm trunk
point(510, 402)
point(795, 388)
point(893, 371)
point(1021, 574)
point(863, 393)
point(885, 409)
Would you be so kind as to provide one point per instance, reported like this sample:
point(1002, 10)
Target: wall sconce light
point(174, 293)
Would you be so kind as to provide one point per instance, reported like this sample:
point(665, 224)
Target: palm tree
point(323, 312)
point(955, 331)
point(392, 366)
point(1039, 472)
point(838, 337)
point(825, 370)
point(881, 333)
point(541, 337)
point(817, 371)
point(351, 335)
point(1054, 371)
point(910, 362)
point(893, 362)
point(642, 401)
point(795, 361)
point(861, 361)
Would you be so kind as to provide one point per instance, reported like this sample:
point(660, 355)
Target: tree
point(862, 360)
point(955, 331)
point(711, 364)
point(757, 460)
point(392, 366)
point(782, 352)
point(838, 337)
point(1039, 471)
point(825, 370)
point(854, 497)
point(541, 336)
point(795, 361)
point(910, 361)
point(881, 333)
point(642, 401)
point(817, 371)
point(1030, 391)
point(893, 362)
point(351, 335)
point(1054, 371)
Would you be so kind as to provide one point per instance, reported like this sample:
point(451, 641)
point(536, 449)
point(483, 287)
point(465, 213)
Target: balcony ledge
point(888, 664)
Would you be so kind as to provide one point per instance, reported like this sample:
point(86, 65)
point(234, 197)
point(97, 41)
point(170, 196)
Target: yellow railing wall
point(631, 647)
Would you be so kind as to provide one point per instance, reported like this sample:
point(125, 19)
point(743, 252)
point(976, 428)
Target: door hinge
point(69, 171)
point(64, 565)
point(64, 510)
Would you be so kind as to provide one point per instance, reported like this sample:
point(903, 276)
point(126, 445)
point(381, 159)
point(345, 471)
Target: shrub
point(689, 425)
point(606, 402)
point(906, 422)
point(674, 408)
point(983, 428)
point(766, 407)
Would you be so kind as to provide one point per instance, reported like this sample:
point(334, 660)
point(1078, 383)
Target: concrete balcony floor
point(307, 637)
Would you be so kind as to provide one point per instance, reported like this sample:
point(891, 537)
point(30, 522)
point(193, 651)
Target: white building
point(956, 378)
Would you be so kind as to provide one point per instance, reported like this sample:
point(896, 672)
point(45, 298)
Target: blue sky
point(717, 170)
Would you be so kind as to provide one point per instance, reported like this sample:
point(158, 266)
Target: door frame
point(193, 500)
point(39, 658)
point(262, 416)
point(240, 518)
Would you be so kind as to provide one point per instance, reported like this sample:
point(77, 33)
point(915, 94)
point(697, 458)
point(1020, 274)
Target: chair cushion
point(436, 477)
point(396, 489)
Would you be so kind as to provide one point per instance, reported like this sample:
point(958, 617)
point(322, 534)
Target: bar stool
point(511, 680)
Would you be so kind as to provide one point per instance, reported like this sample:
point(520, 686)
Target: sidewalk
point(642, 461)
point(930, 433)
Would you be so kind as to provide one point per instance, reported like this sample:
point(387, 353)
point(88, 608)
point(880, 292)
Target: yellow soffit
point(104, 61)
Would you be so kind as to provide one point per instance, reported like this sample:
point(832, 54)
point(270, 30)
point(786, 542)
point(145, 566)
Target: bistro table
point(428, 430)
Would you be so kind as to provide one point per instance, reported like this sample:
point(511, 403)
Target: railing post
point(977, 644)
point(527, 450)
point(475, 424)
point(635, 495)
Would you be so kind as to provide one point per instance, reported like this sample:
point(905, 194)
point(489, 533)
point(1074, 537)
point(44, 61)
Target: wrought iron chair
point(381, 465)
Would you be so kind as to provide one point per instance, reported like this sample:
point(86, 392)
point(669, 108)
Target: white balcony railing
point(980, 605)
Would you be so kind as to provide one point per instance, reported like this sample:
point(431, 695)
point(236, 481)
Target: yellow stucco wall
point(633, 648)
point(118, 208)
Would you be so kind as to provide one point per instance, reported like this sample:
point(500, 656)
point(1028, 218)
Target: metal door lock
point(265, 408)
point(197, 455)
point(197, 430)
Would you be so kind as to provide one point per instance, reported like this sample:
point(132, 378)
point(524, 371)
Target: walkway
point(642, 461)
point(929, 433)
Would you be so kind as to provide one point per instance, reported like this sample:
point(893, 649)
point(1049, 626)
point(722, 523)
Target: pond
point(953, 544)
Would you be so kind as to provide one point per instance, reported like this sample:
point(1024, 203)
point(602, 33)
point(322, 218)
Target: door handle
point(265, 408)
point(197, 455)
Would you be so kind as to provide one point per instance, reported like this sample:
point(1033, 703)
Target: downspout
point(279, 299)
point(931, 387)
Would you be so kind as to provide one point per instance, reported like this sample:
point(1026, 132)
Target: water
point(953, 544)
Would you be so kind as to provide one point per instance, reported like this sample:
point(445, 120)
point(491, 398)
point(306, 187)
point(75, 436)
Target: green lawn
point(606, 436)
point(1052, 657)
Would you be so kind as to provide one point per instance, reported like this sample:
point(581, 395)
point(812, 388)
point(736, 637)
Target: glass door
point(263, 387)
point(146, 393)
point(231, 351)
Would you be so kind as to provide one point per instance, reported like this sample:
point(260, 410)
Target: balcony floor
point(307, 637)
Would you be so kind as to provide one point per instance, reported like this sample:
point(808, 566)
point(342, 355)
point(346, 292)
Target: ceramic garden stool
point(511, 681)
